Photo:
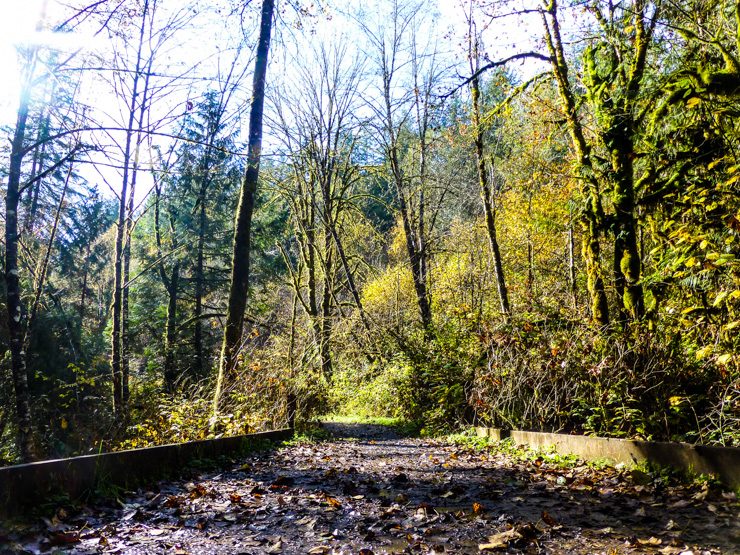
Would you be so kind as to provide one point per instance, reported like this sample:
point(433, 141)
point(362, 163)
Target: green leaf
point(720, 298)
point(724, 359)
point(704, 352)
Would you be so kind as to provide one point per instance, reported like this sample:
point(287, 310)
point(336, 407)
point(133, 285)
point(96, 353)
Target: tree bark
point(572, 265)
point(199, 368)
point(486, 193)
point(24, 421)
point(239, 286)
point(117, 369)
point(592, 213)
point(170, 336)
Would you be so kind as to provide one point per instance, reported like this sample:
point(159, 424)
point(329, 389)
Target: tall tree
point(487, 189)
point(395, 49)
point(614, 77)
point(135, 107)
point(239, 286)
point(320, 134)
point(52, 149)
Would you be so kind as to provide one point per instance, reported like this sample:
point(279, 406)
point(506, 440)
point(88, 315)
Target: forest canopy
point(222, 216)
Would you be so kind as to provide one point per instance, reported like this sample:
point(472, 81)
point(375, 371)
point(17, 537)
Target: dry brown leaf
point(500, 540)
point(548, 519)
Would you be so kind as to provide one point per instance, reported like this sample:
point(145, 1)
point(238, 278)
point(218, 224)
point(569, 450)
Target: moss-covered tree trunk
point(591, 212)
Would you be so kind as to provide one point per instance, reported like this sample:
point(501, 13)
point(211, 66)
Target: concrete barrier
point(26, 485)
point(496, 434)
point(722, 462)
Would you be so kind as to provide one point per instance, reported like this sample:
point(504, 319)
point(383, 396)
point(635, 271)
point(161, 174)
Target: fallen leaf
point(547, 518)
point(276, 547)
point(64, 538)
point(173, 502)
point(500, 540)
point(198, 491)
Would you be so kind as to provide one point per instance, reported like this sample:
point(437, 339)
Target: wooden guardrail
point(722, 462)
point(24, 486)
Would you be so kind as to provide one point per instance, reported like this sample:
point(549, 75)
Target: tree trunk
point(415, 257)
point(239, 286)
point(627, 262)
point(170, 338)
point(171, 285)
point(199, 364)
point(592, 213)
point(326, 319)
point(486, 194)
point(24, 421)
point(125, 331)
point(117, 365)
point(572, 265)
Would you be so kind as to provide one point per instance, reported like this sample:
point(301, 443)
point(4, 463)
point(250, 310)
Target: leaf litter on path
point(371, 492)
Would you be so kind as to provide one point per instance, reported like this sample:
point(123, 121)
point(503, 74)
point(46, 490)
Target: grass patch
point(356, 419)
point(652, 473)
point(469, 438)
point(403, 427)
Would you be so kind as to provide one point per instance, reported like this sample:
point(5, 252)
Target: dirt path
point(369, 491)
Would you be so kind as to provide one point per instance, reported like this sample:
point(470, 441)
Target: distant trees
point(190, 214)
point(431, 239)
point(320, 134)
point(403, 104)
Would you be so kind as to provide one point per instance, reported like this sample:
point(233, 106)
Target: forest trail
point(370, 491)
